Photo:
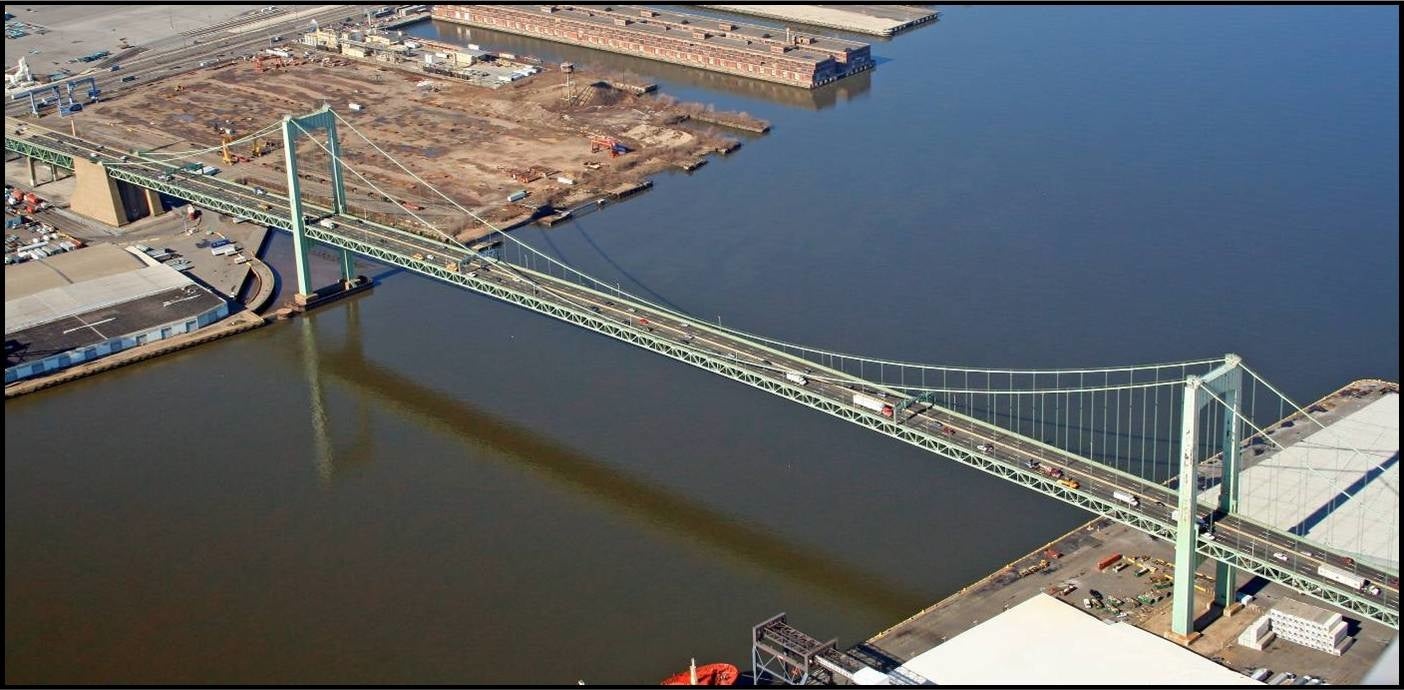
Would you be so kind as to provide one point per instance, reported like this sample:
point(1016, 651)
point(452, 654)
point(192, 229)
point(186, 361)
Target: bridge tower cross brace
point(292, 127)
point(1225, 382)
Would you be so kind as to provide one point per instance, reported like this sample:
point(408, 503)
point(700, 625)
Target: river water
point(422, 485)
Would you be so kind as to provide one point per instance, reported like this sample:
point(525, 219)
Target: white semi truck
point(1126, 498)
point(868, 402)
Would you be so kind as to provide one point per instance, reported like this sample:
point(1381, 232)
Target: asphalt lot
point(75, 30)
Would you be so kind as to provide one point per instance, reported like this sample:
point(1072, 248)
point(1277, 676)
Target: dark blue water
point(490, 496)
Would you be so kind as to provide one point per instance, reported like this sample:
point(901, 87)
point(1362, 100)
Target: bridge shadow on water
point(580, 226)
point(674, 511)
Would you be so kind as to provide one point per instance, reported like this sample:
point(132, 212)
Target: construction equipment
point(602, 143)
point(1025, 572)
point(260, 147)
point(230, 158)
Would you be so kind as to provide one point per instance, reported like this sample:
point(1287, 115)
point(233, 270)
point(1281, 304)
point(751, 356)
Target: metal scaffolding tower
point(788, 655)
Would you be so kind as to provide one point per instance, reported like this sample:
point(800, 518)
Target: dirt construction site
point(563, 139)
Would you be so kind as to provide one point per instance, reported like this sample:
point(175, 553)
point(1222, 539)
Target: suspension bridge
point(1142, 445)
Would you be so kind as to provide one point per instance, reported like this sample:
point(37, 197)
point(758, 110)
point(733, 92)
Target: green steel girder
point(725, 367)
point(278, 218)
point(233, 208)
point(39, 152)
point(1352, 601)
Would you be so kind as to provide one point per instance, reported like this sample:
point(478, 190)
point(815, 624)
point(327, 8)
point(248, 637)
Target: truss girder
point(38, 152)
point(1332, 594)
point(277, 217)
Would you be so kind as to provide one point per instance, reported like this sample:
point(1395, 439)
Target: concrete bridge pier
point(54, 174)
point(153, 202)
point(95, 194)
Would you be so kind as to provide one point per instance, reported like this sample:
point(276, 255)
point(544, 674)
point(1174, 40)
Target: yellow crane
point(224, 149)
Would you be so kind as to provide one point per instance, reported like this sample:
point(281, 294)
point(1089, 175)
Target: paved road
point(211, 44)
point(1079, 475)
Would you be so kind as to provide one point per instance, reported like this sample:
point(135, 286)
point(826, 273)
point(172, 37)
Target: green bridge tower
point(292, 126)
point(1224, 382)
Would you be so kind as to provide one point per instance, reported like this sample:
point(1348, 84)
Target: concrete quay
point(237, 322)
point(1067, 568)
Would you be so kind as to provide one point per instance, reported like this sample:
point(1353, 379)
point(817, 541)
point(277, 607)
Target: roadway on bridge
point(1013, 450)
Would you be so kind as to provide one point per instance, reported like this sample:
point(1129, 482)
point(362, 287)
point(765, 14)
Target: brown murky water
point(422, 485)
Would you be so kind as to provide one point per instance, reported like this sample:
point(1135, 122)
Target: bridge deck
point(986, 447)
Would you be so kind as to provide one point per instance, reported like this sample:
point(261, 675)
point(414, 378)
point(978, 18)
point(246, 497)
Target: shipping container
point(517, 195)
point(224, 250)
point(214, 243)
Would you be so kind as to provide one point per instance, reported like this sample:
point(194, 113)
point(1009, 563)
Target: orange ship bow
point(708, 674)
